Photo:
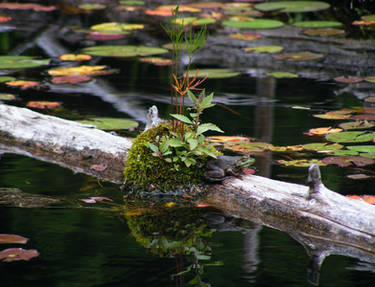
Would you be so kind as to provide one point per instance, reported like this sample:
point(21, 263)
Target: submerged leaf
point(27, 6)
point(157, 61)
point(111, 123)
point(317, 24)
point(71, 79)
point(324, 32)
point(301, 162)
point(348, 79)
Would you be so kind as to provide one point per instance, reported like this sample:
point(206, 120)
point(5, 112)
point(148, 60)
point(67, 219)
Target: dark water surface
point(110, 244)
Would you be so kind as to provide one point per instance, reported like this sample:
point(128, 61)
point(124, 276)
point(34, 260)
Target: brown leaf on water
point(4, 19)
point(299, 56)
point(43, 105)
point(75, 57)
point(76, 79)
point(358, 176)
point(15, 254)
point(322, 131)
point(345, 161)
point(348, 79)
point(22, 84)
point(12, 238)
point(27, 6)
point(245, 36)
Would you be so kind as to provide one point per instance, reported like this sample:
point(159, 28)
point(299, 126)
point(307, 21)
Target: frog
point(224, 166)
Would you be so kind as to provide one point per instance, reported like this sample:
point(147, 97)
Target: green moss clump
point(143, 169)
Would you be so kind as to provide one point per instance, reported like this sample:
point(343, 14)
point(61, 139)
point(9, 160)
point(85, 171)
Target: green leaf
point(21, 62)
point(292, 6)
point(193, 143)
point(317, 24)
point(208, 127)
point(350, 137)
point(192, 96)
point(153, 147)
point(253, 24)
point(111, 123)
point(176, 143)
point(123, 51)
point(189, 161)
point(182, 118)
point(206, 102)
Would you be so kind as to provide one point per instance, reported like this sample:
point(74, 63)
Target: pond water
point(147, 243)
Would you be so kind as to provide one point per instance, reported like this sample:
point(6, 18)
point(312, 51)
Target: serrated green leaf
point(182, 118)
point(175, 143)
point(208, 127)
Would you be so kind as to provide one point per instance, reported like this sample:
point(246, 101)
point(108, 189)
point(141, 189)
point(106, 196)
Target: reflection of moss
point(143, 169)
point(170, 231)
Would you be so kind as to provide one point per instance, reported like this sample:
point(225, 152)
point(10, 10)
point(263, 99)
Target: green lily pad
point(253, 24)
point(323, 147)
point(362, 148)
point(247, 147)
point(111, 123)
point(298, 56)
point(368, 17)
point(114, 27)
point(123, 51)
point(194, 21)
point(246, 11)
point(357, 125)
point(7, 97)
point(370, 79)
point(369, 155)
point(91, 6)
point(264, 49)
point(350, 137)
point(4, 79)
point(324, 32)
point(292, 6)
point(21, 62)
point(317, 24)
point(301, 162)
point(280, 75)
point(132, 2)
point(344, 152)
point(214, 73)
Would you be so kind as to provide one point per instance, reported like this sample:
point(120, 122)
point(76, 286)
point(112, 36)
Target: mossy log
point(322, 220)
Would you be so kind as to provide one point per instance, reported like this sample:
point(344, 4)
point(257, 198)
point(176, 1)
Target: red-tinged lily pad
point(357, 125)
point(43, 105)
point(27, 6)
point(12, 238)
point(157, 61)
point(15, 254)
point(7, 97)
point(75, 79)
point(299, 56)
point(292, 6)
point(322, 131)
point(366, 198)
point(323, 32)
point(351, 137)
point(123, 51)
point(365, 117)
point(75, 57)
point(370, 79)
point(80, 70)
point(335, 115)
point(98, 167)
point(4, 19)
point(223, 139)
point(364, 23)
point(348, 79)
point(263, 49)
point(104, 36)
point(23, 84)
point(94, 199)
point(345, 161)
point(247, 147)
point(245, 36)
point(301, 162)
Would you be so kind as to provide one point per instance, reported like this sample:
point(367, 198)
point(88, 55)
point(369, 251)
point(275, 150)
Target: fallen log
point(309, 214)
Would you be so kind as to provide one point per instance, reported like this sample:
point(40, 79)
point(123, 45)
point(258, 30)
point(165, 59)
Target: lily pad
point(362, 148)
point(157, 61)
point(43, 105)
point(368, 17)
point(75, 57)
point(323, 131)
point(357, 125)
point(344, 152)
point(318, 24)
point(194, 21)
point(301, 162)
point(264, 49)
point(80, 70)
point(7, 97)
point(299, 56)
point(111, 123)
point(245, 36)
point(242, 11)
point(116, 27)
point(24, 85)
point(335, 115)
point(4, 79)
point(370, 79)
point(324, 32)
point(253, 23)
point(348, 79)
point(350, 137)
point(344, 161)
point(21, 62)
point(215, 73)
point(15, 254)
point(292, 6)
point(247, 147)
point(323, 147)
point(123, 51)
point(280, 75)
point(12, 238)
point(91, 6)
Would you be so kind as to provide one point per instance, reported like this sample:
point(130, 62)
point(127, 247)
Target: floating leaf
point(194, 21)
point(12, 238)
point(4, 79)
point(116, 27)
point(132, 2)
point(247, 147)
point(345, 161)
point(94, 199)
point(317, 24)
point(323, 131)
point(166, 10)
point(223, 139)
point(292, 6)
point(365, 117)
point(75, 79)
point(298, 56)
point(22, 84)
point(364, 23)
point(43, 105)
point(370, 79)
point(253, 24)
point(124, 51)
point(344, 152)
point(104, 36)
point(170, 46)
point(335, 115)
point(323, 147)
point(370, 100)
point(360, 176)
point(263, 49)
point(4, 19)
point(357, 125)
point(157, 61)
point(111, 123)
point(362, 148)
point(27, 6)
point(7, 97)
point(301, 162)
point(245, 36)
point(15, 254)
point(348, 79)
point(368, 17)
point(347, 137)
point(91, 6)
point(241, 10)
point(75, 57)
point(214, 73)
point(280, 75)
point(323, 32)
point(21, 62)
point(80, 70)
